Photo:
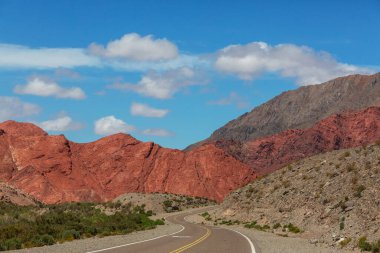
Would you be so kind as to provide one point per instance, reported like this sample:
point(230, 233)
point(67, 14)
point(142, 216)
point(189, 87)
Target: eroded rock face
point(54, 169)
point(350, 129)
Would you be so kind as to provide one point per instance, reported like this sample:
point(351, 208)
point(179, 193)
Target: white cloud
point(135, 47)
point(12, 107)
point(162, 85)
point(232, 99)
point(111, 125)
point(16, 56)
point(145, 110)
point(62, 123)
point(306, 65)
point(39, 86)
point(158, 132)
point(189, 61)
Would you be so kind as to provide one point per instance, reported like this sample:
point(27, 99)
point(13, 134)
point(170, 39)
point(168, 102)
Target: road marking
point(181, 236)
point(253, 250)
point(119, 246)
point(187, 246)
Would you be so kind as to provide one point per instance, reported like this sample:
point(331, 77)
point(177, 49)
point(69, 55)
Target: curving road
point(191, 238)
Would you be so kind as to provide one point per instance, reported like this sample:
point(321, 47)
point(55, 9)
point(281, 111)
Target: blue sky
point(171, 71)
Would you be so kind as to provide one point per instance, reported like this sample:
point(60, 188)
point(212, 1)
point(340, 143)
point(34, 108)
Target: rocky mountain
point(11, 195)
point(345, 130)
point(332, 198)
point(301, 108)
point(54, 169)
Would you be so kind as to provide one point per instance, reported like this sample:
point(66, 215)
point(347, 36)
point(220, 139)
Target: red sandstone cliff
point(54, 169)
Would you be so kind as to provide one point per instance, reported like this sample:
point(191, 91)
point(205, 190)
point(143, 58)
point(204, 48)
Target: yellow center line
point(187, 246)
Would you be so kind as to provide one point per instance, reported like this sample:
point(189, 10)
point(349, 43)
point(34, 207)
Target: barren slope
point(330, 196)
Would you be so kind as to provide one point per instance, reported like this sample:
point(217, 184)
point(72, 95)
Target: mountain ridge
point(301, 108)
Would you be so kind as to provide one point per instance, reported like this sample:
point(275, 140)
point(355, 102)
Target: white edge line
point(147, 240)
point(253, 250)
point(158, 237)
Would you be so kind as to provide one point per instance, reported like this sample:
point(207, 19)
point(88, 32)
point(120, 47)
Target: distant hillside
point(301, 108)
point(331, 197)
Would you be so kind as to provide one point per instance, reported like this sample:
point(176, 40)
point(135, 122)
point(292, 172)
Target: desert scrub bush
point(292, 228)
point(345, 242)
point(206, 216)
point(359, 191)
point(256, 226)
point(276, 226)
point(367, 246)
point(66, 222)
point(341, 223)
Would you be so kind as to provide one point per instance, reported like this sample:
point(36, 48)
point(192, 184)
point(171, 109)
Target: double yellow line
point(187, 246)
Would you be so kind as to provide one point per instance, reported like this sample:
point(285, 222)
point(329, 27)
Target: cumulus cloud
point(162, 85)
point(16, 56)
point(158, 132)
point(135, 47)
point(111, 125)
point(61, 123)
point(303, 63)
point(39, 86)
point(13, 107)
point(232, 99)
point(145, 110)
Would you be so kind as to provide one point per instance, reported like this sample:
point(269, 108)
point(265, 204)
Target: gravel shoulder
point(271, 243)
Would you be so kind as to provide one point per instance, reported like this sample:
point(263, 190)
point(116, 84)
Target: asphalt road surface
point(192, 238)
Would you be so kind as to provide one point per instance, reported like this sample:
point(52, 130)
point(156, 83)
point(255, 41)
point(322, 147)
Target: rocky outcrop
point(9, 194)
point(350, 129)
point(54, 169)
point(301, 108)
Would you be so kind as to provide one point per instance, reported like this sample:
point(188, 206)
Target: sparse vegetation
point(341, 224)
point(345, 242)
point(27, 226)
point(359, 191)
point(367, 246)
point(254, 225)
point(292, 228)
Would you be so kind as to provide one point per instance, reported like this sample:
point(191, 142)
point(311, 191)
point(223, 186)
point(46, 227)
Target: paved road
point(192, 238)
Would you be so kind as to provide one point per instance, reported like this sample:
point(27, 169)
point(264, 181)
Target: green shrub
point(363, 244)
point(10, 244)
point(292, 228)
point(32, 226)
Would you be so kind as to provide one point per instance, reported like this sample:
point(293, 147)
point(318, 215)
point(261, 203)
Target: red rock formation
point(350, 129)
point(53, 169)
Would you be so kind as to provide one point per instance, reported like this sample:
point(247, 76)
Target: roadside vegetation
point(177, 203)
point(30, 226)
